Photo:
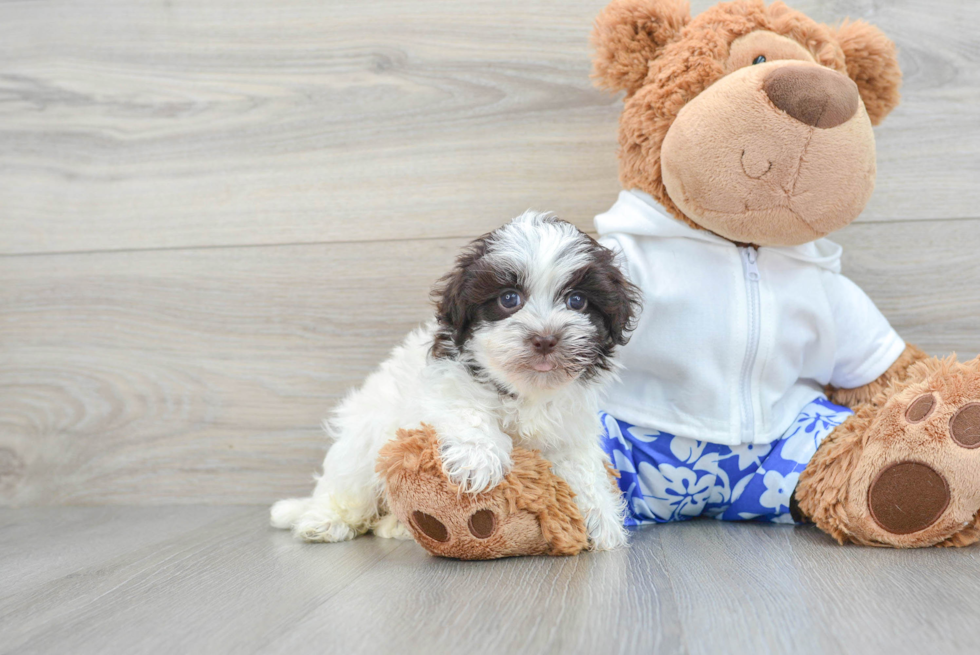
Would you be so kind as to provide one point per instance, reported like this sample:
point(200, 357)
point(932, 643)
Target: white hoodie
point(733, 342)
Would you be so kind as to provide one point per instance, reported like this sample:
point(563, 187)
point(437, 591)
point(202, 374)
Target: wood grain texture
point(128, 125)
point(168, 376)
point(222, 581)
point(185, 376)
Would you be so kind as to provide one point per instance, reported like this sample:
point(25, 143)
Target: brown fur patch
point(629, 34)
point(872, 63)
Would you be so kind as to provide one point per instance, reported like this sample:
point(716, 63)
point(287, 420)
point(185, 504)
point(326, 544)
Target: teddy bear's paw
point(918, 481)
point(474, 467)
point(531, 512)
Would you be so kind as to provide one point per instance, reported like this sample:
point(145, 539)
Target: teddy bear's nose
point(813, 95)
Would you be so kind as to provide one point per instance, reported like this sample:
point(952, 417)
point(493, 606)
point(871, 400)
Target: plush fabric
point(872, 63)
point(747, 171)
point(532, 512)
point(836, 490)
point(629, 35)
point(683, 77)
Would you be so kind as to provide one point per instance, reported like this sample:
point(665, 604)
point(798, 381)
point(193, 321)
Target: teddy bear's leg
point(904, 471)
point(531, 512)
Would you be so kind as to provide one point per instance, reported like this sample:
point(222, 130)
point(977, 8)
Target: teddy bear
point(760, 383)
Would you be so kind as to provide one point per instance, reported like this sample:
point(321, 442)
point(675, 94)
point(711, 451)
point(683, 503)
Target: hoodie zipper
point(750, 267)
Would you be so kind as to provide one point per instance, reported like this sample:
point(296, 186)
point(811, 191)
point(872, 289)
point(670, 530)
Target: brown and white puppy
point(522, 344)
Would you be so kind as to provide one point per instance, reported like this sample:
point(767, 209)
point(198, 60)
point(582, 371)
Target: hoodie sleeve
point(866, 343)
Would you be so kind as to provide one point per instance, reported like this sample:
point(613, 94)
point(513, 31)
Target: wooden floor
point(218, 580)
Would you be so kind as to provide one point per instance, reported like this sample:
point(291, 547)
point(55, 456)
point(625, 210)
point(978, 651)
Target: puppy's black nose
point(544, 343)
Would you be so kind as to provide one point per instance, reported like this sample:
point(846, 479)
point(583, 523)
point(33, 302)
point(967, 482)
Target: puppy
point(519, 351)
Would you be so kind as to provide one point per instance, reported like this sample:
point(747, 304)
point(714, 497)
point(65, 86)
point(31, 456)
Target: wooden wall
point(217, 216)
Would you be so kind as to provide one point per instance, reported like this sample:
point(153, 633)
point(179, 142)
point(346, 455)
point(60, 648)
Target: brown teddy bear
point(744, 141)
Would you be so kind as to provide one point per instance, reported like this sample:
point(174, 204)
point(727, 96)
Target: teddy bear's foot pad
point(482, 524)
point(907, 497)
point(965, 426)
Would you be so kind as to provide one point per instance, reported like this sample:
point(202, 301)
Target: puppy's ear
point(619, 298)
point(872, 63)
point(629, 34)
point(451, 297)
point(624, 321)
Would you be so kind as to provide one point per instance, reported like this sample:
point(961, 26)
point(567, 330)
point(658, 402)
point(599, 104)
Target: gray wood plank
point(148, 125)
point(220, 588)
point(925, 278)
point(879, 600)
point(43, 544)
point(738, 590)
point(159, 375)
point(202, 375)
point(760, 588)
point(233, 585)
point(615, 602)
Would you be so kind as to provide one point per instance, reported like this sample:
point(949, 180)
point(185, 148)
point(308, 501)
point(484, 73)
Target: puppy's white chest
point(531, 426)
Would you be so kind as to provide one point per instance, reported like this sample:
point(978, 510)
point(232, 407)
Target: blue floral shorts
point(667, 478)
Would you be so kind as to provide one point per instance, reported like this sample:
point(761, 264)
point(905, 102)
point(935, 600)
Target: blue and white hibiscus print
point(668, 478)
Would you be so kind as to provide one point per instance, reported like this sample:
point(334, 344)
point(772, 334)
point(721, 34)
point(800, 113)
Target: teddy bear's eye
point(758, 60)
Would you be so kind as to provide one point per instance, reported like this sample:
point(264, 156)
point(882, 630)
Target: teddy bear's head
point(752, 122)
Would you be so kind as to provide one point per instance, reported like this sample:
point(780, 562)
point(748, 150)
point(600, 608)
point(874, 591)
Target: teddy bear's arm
point(896, 372)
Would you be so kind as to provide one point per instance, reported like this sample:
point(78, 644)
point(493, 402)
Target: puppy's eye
point(510, 300)
point(576, 302)
point(759, 60)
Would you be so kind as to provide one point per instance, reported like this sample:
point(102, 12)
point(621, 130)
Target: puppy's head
point(534, 305)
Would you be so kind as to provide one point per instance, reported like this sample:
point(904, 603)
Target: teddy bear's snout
point(815, 96)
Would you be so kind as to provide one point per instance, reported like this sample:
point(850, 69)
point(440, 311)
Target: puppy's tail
point(286, 513)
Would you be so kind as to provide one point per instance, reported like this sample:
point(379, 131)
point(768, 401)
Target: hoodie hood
point(638, 214)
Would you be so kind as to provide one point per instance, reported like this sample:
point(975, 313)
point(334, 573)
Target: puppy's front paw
point(474, 467)
point(606, 531)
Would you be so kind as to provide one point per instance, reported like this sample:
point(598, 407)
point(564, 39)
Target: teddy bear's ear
point(629, 34)
point(873, 65)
